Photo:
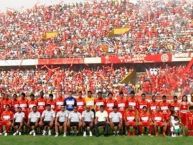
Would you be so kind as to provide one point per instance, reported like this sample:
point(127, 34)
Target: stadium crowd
point(155, 27)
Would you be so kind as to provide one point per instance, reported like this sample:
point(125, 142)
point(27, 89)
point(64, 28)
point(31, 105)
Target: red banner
point(61, 61)
point(167, 57)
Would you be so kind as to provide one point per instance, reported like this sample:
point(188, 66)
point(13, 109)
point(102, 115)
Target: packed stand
point(155, 27)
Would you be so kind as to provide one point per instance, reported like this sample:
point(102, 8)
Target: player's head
point(158, 109)
point(115, 109)
point(14, 96)
point(41, 94)
point(145, 108)
point(164, 98)
point(48, 107)
point(70, 93)
point(34, 108)
point(80, 94)
point(22, 95)
point(62, 108)
point(19, 109)
point(175, 98)
point(5, 96)
point(130, 108)
point(132, 93)
point(110, 95)
point(88, 108)
point(89, 93)
point(184, 98)
point(99, 94)
point(153, 98)
point(51, 96)
point(143, 96)
point(75, 109)
point(7, 107)
point(102, 108)
point(32, 96)
point(121, 94)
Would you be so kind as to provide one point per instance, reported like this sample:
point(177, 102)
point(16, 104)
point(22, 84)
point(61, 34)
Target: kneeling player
point(18, 121)
point(130, 120)
point(115, 118)
point(74, 121)
point(47, 120)
point(144, 121)
point(159, 122)
point(33, 120)
point(88, 120)
point(6, 119)
point(61, 121)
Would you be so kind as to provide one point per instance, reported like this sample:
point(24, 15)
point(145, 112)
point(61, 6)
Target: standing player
point(131, 120)
point(99, 101)
point(175, 104)
point(61, 121)
point(23, 104)
point(80, 102)
point(74, 121)
point(70, 102)
point(115, 119)
point(153, 105)
point(121, 103)
point(6, 120)
point(41, 101)
point(143, 102)
point(15, 103)
point(132, 101)
point(32, 102)
point(18, 121)
point(59, 102)
point(87, 121)
point(47, 120)
point(33, 120)
point(51, 101)
point(5, 101)
point(110, 102)
point(89, 100)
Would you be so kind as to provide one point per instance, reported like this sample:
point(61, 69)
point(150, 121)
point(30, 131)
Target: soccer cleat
point(34, 134)
point(84, 134)
point(5, 134)
point(15, 133)
point(19, 133)
point(31, 132)
point(0, 134)
point(56, 135)
point(90, 133)
point(64, 135)
point(44, 133)
point(49, 133)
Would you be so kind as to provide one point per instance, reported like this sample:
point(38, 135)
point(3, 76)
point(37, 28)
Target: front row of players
point(131, 122)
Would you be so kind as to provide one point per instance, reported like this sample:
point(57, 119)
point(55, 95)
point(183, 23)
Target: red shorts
point(160, 124)
point(184, 118)
point(5, 123)
point(144, 124)
point(131, 123)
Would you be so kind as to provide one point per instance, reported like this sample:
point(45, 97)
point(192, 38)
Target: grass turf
point(112, 140)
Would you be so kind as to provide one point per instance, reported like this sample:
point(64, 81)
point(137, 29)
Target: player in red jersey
point(184, 110)
point(80, 102)
point(32, 102)
point(143, 102)
point(15, 103)
point(164, 105)
point(6, 120)
point(175, 104)
point(99, 101)
point(51, 101)
point(144, 121)
point(23, 103)
point(131, 120)
point(5, 101)
point(122, 103)
point(59, 102)
point(41, 102)
point(132, 101)
point(110, 102)
point(153, 105)
point(158, 121)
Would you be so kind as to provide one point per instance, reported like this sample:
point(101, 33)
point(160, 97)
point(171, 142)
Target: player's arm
point(42, 118)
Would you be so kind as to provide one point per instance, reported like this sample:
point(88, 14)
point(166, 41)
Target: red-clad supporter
point(158, 121)
point(132, 101)
point(110, 102)
point(122, 103)
point(99, 101)
point(80, 101)
point(144, 120)
point(153, 104)
point(143, 102)
point(41, 101)
point(164, 106)
point(131, 120)
point(51, 101)
point(15, 103)
point(6, 120)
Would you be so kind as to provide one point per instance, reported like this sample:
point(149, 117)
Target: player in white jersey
point(61, 121)
point(47, 119)
point(87, 121)
point(115, 119)
point(74, 121)
point(18, 121)
point(33, 120)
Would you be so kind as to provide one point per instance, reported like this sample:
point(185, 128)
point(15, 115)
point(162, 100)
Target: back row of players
point(89, 113)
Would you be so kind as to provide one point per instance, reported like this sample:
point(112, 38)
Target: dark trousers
point(105, 127)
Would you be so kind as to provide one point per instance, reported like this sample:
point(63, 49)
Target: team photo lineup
point(96, 68)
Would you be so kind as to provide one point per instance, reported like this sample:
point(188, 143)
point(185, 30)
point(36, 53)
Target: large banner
point(60, 61)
